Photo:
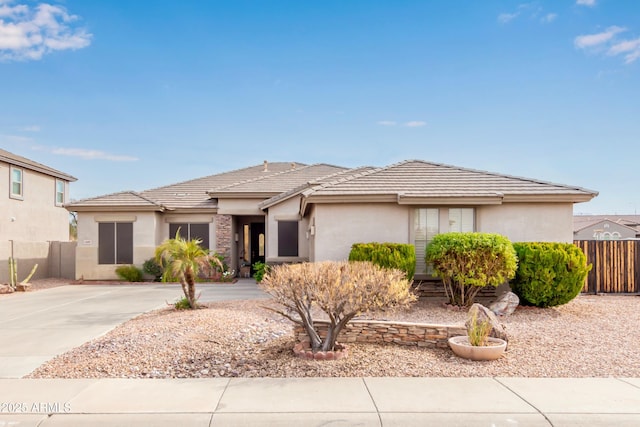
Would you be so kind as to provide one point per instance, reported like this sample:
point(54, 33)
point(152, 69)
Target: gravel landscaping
point(592, 336)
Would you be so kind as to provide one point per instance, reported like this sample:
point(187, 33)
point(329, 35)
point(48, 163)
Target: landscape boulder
point(481, 313)
point(505, 305)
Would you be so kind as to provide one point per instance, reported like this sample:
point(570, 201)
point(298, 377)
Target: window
point(287, 238)
point(16, 182)
point(115, 243)
point(427, 222)
point(59, 192)
point(461, 220)
point(190, 231)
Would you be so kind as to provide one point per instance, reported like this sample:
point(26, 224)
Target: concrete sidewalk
point(322, 401)
point(36, 326)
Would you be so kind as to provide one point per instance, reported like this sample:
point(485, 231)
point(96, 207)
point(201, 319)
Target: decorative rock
point(505, 305)
point(482, 313)
point(23, 287)
point(5, 289)
point(302, 351)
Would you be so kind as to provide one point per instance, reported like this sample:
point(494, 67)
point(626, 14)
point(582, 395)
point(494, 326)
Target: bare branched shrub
point(342, 290)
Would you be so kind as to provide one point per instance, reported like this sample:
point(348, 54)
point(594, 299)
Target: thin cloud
point(28, 33)
point(415, 124)
point(594, 40)
point(387, 123)
point(631, 49)
point(606, 42)
point(34, 128)
point(92, 154)
point(531, 10)
point(504, 18)
point(15, 139)
point(588, 3)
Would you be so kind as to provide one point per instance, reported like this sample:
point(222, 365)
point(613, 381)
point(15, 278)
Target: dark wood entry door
point(258, 242)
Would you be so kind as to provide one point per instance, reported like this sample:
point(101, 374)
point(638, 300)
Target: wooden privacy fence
point(616, 265)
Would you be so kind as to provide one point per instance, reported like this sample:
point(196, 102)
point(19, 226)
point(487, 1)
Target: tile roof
point(23, 162)
point(192, 194)
point(280, 182)
point(299, 189)
point(123, 199)
point(582, 221)
point(417, 178)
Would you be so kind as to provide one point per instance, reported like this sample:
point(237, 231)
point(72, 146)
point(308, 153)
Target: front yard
point(592, 336)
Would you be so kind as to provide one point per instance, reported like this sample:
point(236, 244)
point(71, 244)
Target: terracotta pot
point(461, 347)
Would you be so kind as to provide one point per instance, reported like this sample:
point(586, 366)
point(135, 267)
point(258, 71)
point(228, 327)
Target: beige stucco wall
point(286, 211)
point(338, 226)
point(528, 222)
point(144, 242)
point(239, 206)
point(35, 217)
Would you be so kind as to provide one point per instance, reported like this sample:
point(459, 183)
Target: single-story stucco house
point(606, 227)
point(291, 212)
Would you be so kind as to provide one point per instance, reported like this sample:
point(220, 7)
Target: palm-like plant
point(184, 259)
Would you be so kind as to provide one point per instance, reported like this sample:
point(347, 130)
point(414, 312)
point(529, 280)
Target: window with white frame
point(17, 184)
point(427, 222)
point(59, 192)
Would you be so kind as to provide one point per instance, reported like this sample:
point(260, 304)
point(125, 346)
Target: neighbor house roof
point(591, 224)
point(582, 221)
point(23, 162)
point(417, 181)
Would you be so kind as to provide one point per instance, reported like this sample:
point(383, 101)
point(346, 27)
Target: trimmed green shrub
point(387, 255)
point(467, 262)
point(152, 268)
point(260, 269)
point(549, 274)
point(129, 273)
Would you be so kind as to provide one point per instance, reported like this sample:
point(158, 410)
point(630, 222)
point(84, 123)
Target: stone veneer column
point(223, 237)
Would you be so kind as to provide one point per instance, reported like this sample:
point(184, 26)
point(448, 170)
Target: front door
point(257, 244)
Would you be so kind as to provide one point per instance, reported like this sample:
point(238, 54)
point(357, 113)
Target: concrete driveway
point(36, 326)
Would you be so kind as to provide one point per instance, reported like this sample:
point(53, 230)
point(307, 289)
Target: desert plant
point(478, 331)
point(549, 274)
point(152, 268)
point(342, 290)
point(467, 262)
point(129, 273)
point(182, 304)
point(389, 255)
point(260, 269)
point(184, 259)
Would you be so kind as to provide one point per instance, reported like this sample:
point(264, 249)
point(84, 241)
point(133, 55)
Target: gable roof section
point(275, 184)
point(417, 181)
point(591, 224)
point(581, 222)
point(23, 162)
point(124, 200)
point(192, 194)
point(301, 188)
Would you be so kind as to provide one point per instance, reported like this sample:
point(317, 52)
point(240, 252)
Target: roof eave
point(102, 208)
point(548, 198)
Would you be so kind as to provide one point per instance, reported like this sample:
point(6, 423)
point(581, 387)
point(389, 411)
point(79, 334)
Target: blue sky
point(131, 95)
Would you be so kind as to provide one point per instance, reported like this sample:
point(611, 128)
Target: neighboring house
point(32, 198)
point(606, 227)
point(291, 212)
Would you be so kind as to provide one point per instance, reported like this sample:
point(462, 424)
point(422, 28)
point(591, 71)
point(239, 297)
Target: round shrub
point(129, 273)
point(467, 262)
point(549, 274)
point(387, 255)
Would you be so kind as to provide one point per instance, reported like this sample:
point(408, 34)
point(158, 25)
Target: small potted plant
point(477, 344)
